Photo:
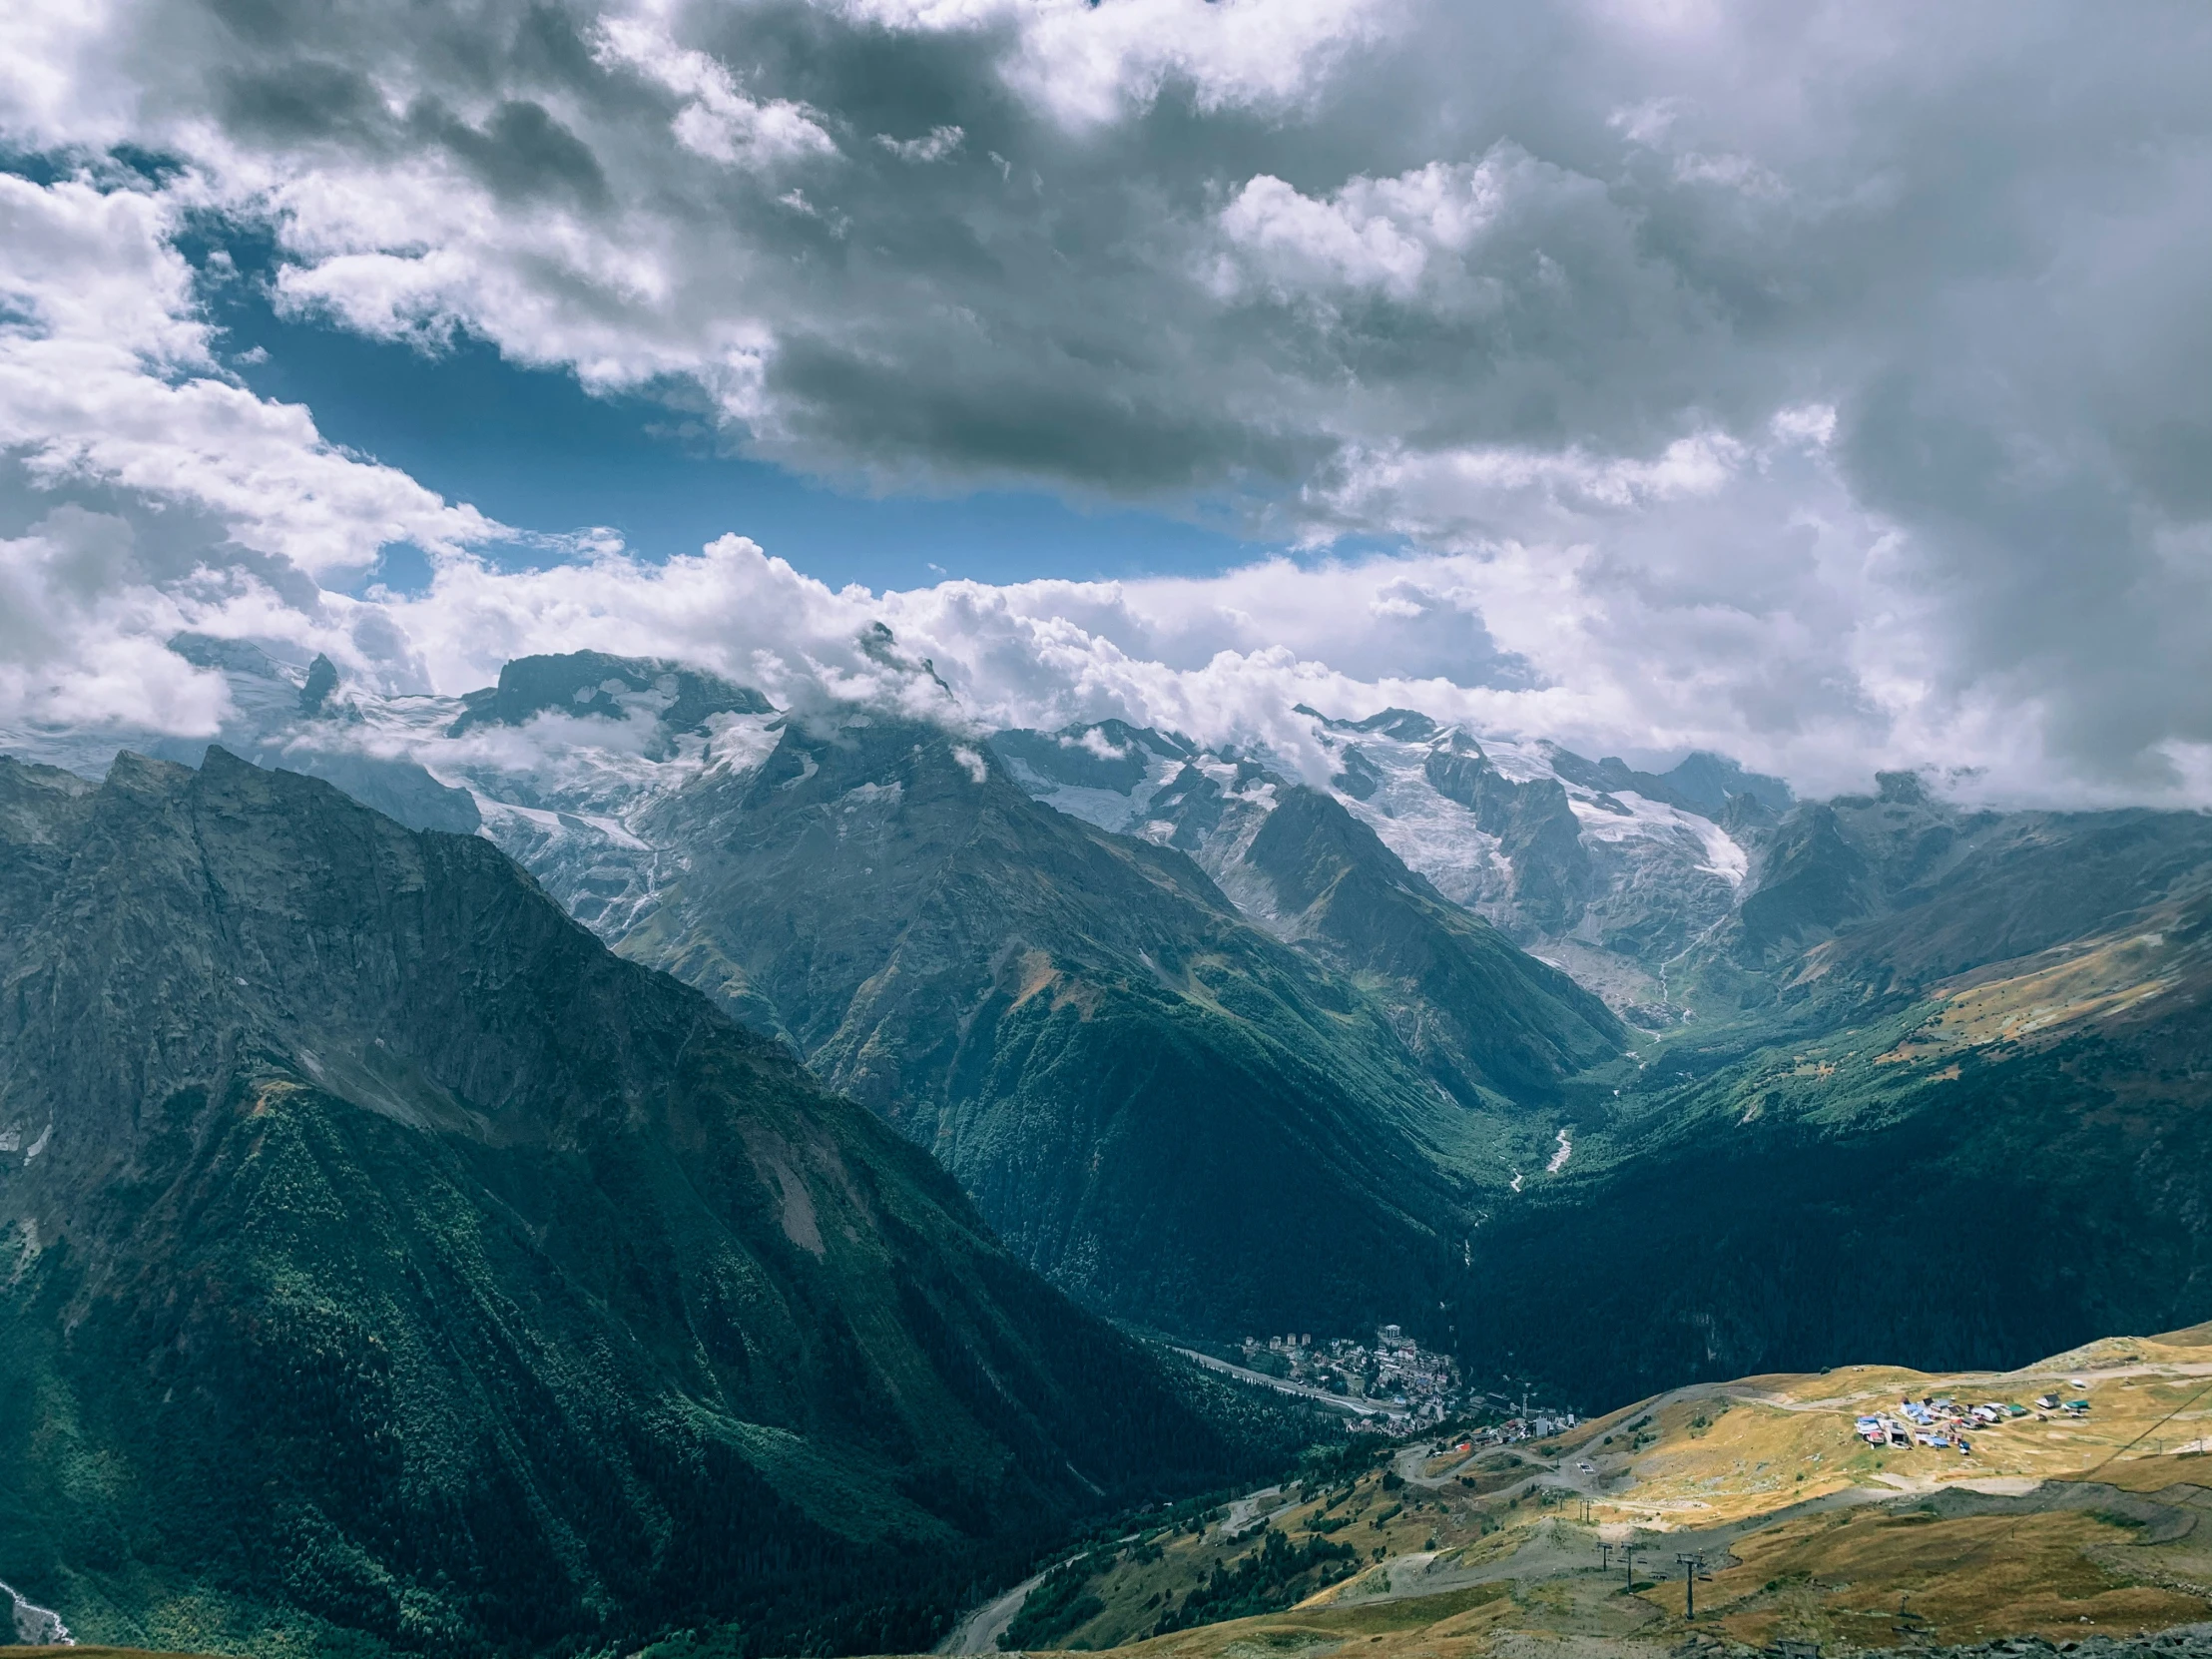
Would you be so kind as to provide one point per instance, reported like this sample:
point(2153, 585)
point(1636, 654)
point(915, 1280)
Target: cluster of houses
point(1415, 1386)
point(1942, 1423)
point(1535, 1425)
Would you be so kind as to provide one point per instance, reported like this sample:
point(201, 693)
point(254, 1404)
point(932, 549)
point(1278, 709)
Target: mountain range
point(1466, 1031)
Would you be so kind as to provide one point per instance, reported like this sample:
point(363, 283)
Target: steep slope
point(384, 1263)
point(1476, 1008)
point(1164, 1109)
point(42, 812)
point(1961, 1159)
point(1896, 890)
point(1479, 1012)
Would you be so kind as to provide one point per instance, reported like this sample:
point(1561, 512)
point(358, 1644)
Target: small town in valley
point(1409, 1387)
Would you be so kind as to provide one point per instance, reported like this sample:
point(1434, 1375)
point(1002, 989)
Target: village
point(1415, 1388)
point(1940, 1423)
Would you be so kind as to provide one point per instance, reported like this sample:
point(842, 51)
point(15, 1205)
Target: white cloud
point(1826, 387)
point(81, 641)
point(1380, 234)
point(716, 120)
point(1450, 496)
point(1086, 65)
point(57, 84)
point(217, 500)
point(106, 377)
point(933, 146)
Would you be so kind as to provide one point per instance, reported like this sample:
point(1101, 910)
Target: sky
point(1825, 386)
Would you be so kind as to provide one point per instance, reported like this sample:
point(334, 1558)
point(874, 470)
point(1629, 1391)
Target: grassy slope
point(2054, 1527)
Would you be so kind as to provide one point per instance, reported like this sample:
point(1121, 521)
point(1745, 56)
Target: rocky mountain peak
point(594, 685)
point(322, 680)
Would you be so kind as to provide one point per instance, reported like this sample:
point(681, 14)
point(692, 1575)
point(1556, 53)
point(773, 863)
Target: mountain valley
point(1471, 1032)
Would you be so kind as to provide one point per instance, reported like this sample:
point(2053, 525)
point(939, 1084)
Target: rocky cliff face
point(1482, 1015)
point(380, 1255)
point(1894, 891)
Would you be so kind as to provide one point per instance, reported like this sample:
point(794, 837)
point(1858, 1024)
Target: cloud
point(1827, 387)
point(81, 642)
point(933, 146)
point(107, 376)
point(1084, 65)
point(716, 120)
point(144, 493)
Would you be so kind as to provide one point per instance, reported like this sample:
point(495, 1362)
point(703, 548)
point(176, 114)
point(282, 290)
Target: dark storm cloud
point(521, 153)
point(1850, 360)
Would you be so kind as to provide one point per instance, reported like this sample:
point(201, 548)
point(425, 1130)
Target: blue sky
point(531, 448)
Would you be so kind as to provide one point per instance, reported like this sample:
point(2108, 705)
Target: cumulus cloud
point(107, 376)
point(144, 493)
point(1826, 387)
point(81, 641)
point(1085, 65)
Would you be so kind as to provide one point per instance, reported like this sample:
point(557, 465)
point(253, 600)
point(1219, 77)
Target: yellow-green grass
point(1816, 1534)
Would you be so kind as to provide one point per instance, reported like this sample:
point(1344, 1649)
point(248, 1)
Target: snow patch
point(1723, 855)
point(1434, 834)
point(741, 744)
point(36, 1626)
point(1107, 807)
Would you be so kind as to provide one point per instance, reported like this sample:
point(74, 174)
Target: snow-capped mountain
point(1607, 871)
point(552, 764)
point(1600, 869)
point(1919, 1021)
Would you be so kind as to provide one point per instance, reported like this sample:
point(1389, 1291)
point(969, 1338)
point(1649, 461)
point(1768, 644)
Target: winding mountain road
point(1318, 1397)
